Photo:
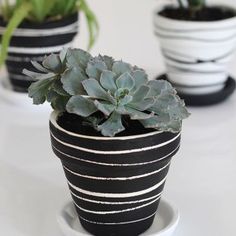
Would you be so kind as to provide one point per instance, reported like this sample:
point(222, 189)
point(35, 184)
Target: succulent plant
point(193, 5)
point(77, 83)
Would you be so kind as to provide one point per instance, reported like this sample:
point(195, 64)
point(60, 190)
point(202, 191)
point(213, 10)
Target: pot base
point(206, 99)
point(164, 223)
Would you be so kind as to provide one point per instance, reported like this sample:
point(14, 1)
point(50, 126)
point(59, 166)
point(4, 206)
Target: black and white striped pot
point(116, 183)
point(31, 42)
point(197, 54)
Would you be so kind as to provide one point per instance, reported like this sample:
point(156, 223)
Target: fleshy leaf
point(38, 91)
point(143, 105)
point(53, 63)
point(59, 103)
point(94, 89)
point(77, 57)
point(140, 93)
point(112, 126)
point(140, 78)
point(121, 67)
point(39, 67)
point(57, 86)
point(71, 80)
point(81, 106)
point(125, 81)
point(138, 115)
point(95, 68)
point(105, 108)
point(107, 81)
point(159, 87)
point(107, 60)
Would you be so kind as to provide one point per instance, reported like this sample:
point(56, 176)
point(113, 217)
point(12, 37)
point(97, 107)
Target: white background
point(202, 180)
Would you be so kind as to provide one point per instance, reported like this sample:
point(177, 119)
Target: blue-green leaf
point(81, 106)
point(107, 81)
point(125, 81)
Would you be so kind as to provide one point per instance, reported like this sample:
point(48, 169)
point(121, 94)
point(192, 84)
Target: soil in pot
point(206, 14)
point(116, 183)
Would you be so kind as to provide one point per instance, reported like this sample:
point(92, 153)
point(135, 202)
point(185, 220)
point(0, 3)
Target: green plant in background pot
point(198, 42)
point(32, 28)
point(115, 133)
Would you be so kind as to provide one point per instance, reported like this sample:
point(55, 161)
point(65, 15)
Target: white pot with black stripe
point(116, 183)
point(31, 42)
point(196, 53)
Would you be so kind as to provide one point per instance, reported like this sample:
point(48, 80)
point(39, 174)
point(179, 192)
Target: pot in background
point(116, 183)
point(197, 54)
point(31, 42)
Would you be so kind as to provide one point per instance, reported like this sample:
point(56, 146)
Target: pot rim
point(211, 23)
point(53, 120)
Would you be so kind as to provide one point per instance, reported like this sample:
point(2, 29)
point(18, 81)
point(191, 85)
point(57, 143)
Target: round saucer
point(164, 224)
point(207, 99)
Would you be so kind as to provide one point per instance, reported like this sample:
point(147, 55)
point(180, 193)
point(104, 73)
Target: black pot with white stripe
point(31, 42)
point(197, 54)
point(116, 183)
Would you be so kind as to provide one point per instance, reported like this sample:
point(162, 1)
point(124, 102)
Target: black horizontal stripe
point(127, 158)
point(44, 41)
point(131, 229)
point(152, 193)
point(117, 186)
point(120, 217)
point(177, 37)
point(114, 171)
point(92, 206)
point(112, 144)
point(47, 24)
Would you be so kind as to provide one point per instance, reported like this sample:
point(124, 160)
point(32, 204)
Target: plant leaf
point(81, 106)
point(71, 80)
point(105, 108)
point(107, 81)
point(125, 81)
point(38, 91)
point(112, 126)
point(121, 67)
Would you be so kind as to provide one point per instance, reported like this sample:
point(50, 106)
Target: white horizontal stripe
point(24, 59)
point(115, 203)
point(118, 195)
point(116, 152)
point(53, 120)
point(115, 164)
point(118, 223)
point(117, 178)
point(40, 50)
point(117, 212)
point(20, 77)
point(21, 32)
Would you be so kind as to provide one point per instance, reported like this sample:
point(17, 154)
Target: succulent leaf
point(95, 68)
point(125, 81)
point(102, 91)
point(121, 67)
point(81, 106)
point(112, 126)
point(71, 80)
point(77, 57)
point(53, 63)
point(107, 81)
point(38, 91)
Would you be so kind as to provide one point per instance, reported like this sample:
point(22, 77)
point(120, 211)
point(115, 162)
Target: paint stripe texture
point(116, 183)
point(197, 54)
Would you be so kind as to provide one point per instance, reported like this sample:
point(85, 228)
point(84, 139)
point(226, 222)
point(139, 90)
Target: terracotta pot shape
point(31, 42)
point(116, 183)
point(197, 54)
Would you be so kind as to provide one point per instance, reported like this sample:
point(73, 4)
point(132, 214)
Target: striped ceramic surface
point(197, 54)
point(116, 183)
point(31, 42)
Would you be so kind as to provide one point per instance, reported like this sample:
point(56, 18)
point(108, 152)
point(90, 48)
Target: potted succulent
point(115, 133)
point(198, 41)
point(30, 29)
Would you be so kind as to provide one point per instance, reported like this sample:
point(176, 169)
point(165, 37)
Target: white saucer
point(164, 224)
